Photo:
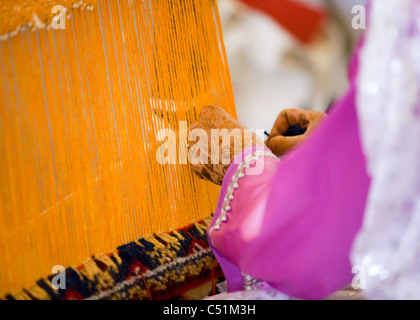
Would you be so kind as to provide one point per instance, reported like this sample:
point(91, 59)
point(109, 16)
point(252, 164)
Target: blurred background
point(286, 54)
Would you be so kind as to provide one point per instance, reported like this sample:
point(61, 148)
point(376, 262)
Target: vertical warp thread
point(80, 109)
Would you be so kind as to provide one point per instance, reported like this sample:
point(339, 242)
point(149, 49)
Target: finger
point(298, 117)
point(280, 125)
point(197, 125)
point(316, 118)
point(214, 117)
point(305, 119)
point(197, 171)
point(206, 172)
point(279, 145)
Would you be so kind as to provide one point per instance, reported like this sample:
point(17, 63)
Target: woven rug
point(175, 265)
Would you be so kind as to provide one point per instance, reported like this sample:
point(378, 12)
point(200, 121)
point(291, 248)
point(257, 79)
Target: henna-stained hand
point(209, 156)
point(281, 139)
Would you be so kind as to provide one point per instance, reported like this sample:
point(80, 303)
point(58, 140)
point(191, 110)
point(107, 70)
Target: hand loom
point(81, 105)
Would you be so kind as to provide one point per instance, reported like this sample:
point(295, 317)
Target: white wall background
point(271, 71)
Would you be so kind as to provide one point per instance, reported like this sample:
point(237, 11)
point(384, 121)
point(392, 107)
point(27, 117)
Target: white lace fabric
point(388, 102)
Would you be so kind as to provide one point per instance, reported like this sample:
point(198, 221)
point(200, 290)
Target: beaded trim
point(234, 185)
point(250, 283)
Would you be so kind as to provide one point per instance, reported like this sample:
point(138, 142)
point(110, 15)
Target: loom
point(83, 93)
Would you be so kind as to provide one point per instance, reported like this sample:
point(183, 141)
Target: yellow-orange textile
point(80, 112)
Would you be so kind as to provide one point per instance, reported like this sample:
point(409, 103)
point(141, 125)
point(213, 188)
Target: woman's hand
point(291, 128)
point(209, 155)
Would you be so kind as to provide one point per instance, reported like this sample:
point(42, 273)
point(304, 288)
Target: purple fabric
point(232, 273)
point(314, 211)
point(309, 210)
